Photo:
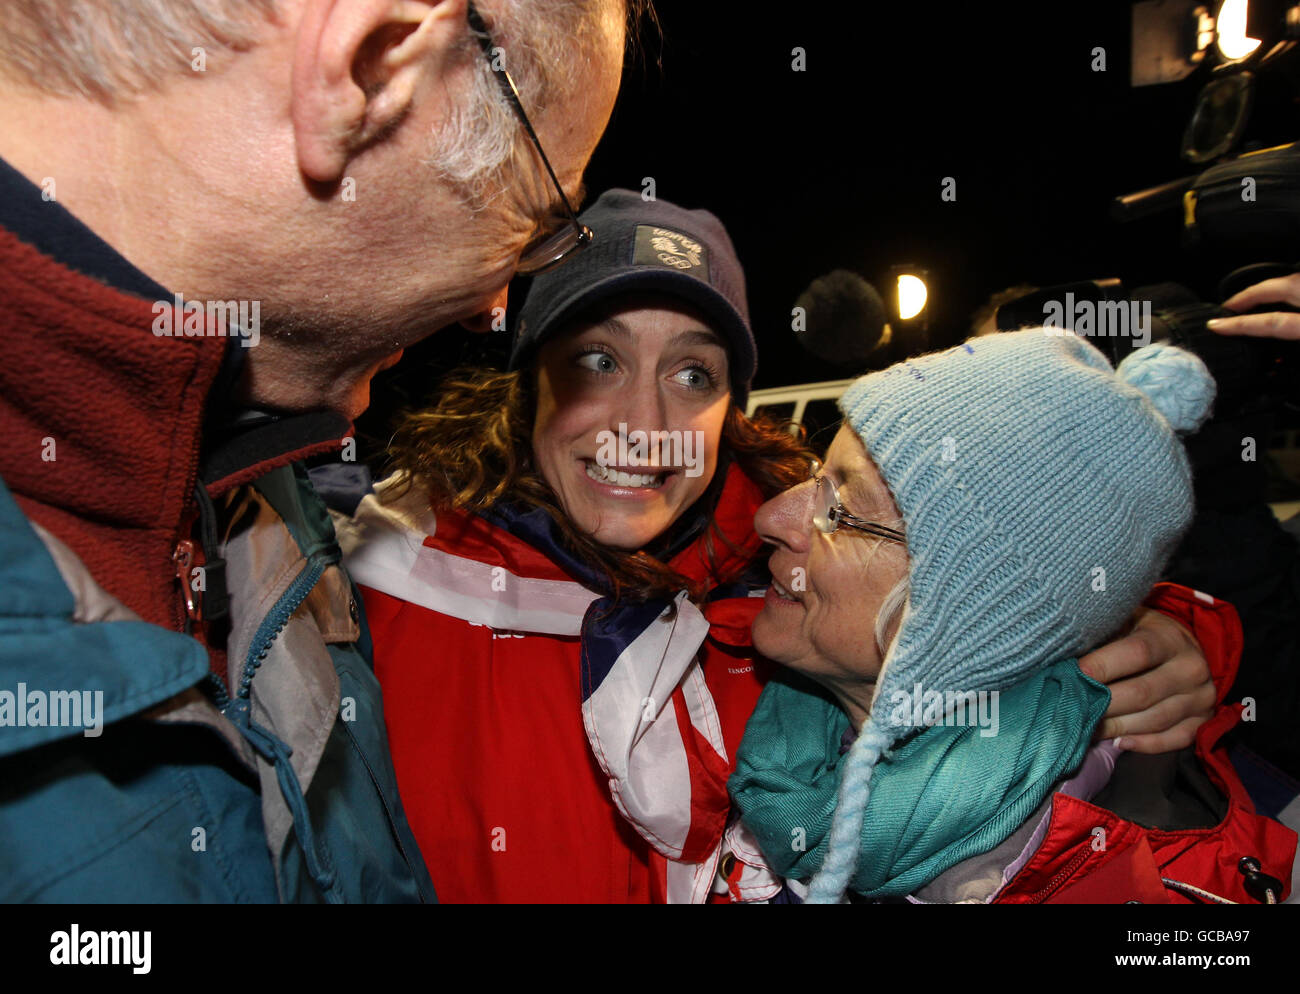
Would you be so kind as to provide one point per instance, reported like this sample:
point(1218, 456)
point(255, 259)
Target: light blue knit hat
point(1042, 494)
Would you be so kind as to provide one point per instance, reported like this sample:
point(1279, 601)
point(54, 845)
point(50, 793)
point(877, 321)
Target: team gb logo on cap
point(668, 248)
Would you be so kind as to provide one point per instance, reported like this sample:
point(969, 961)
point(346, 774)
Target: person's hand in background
point(1271, 324)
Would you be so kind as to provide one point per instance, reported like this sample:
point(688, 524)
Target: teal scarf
point(943, 796)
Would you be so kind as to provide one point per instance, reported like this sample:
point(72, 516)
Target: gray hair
point(541, 46)
point(890, 610)
point(103, 49)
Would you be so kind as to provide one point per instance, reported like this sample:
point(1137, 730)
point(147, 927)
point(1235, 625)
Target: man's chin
point(358, 397)
point(350, 400)
point(358, 407)
point(356, 401)
point(289, 386)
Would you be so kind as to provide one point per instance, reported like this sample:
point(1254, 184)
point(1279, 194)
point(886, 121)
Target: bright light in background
point(1231, 25)
point(911, 296)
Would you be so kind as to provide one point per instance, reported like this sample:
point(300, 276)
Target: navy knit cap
point(645, 245)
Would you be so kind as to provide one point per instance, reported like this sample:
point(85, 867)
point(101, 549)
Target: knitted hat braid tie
point(832, 880)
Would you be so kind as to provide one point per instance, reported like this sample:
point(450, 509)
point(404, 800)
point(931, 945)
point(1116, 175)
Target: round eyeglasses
point(829, 513)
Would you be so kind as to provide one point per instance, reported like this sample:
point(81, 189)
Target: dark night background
point(840, 166)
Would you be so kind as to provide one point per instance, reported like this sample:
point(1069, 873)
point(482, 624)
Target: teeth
point(616, 477)
point(782, 592)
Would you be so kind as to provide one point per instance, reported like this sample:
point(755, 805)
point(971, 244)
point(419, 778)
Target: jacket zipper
point(273, 624)
point(239, 710)
point(211, 601)
point(184, 619)
point(185, 559)
point(1062, 875)
point(217, 691)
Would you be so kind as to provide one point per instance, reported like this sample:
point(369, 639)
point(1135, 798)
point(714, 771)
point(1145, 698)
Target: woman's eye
point(695, 377)
point(598, 362)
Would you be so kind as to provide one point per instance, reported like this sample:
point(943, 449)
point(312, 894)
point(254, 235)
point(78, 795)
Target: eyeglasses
point(550, 248)
point(829, 513)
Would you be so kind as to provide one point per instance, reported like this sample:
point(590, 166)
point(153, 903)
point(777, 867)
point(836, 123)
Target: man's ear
point(356, 69)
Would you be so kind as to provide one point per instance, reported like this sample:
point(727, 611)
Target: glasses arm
point(870, 527)
point(512, 96)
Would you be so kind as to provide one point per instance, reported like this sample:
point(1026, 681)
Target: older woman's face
point(652, 366)
point(819, 615)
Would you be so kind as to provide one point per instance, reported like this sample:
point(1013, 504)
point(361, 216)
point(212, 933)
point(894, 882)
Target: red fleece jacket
point(102, 423)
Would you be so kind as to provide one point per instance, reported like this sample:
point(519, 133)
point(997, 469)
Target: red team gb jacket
point(537, 764)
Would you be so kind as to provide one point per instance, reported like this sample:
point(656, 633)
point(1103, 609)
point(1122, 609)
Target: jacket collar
point(104, 420)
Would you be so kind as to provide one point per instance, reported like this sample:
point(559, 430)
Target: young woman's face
point(630, 407)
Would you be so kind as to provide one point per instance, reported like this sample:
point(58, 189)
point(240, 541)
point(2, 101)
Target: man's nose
point(492, 317)
point(786, 519)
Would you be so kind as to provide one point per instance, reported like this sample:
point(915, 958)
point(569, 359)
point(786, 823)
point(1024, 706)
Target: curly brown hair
point(473, 450)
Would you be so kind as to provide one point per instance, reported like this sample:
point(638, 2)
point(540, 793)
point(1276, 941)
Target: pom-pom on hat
point(1042, 493)
point(648, 245)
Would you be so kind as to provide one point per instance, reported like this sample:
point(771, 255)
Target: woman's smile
point(618, 481)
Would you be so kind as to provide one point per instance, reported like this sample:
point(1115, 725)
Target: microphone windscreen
point(844, 318)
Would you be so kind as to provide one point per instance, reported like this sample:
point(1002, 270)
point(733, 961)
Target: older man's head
point(351, 164)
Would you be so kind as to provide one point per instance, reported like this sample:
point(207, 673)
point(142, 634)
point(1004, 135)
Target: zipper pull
point(184, 557)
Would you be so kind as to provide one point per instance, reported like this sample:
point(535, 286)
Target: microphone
point(844, 319)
